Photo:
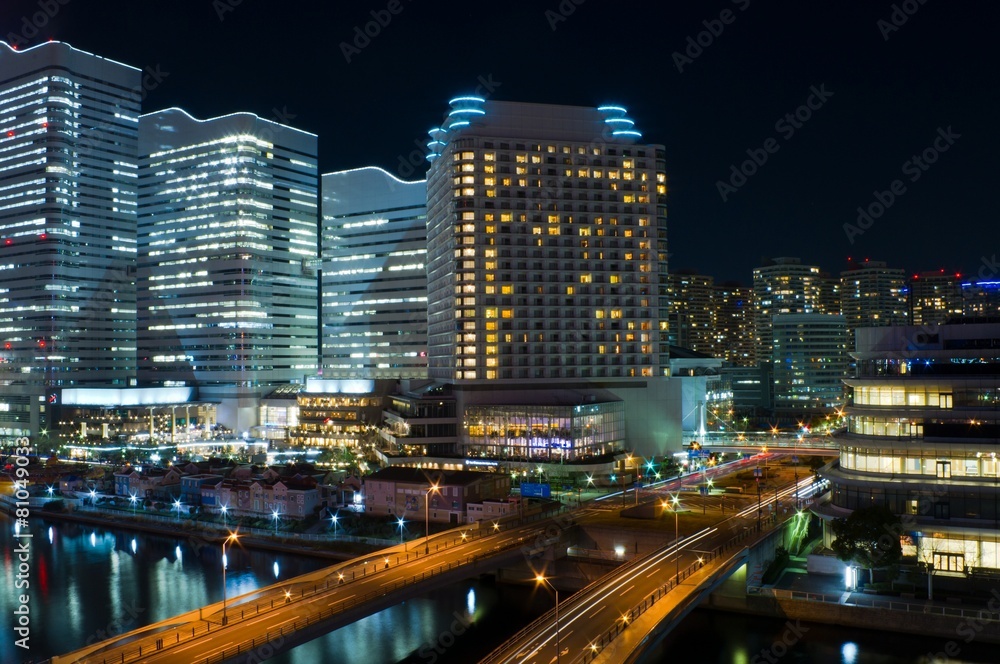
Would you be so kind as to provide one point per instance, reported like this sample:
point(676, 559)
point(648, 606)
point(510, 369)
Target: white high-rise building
point(872, 295)
point(783, 286)
point(810, 362)
point(374, 279)
point(68, 166)
point(547, 265)
point(228, 222)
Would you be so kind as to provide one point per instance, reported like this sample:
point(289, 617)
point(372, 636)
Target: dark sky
point(892, 90)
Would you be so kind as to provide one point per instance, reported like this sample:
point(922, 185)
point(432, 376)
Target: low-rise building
point(438, 496)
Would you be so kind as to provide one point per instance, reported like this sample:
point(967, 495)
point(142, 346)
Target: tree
point(870, 538)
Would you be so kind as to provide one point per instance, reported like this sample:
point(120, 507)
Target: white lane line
point(622, 594)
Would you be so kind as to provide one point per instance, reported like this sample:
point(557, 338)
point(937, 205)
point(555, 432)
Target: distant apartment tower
point(935, 297)
point(68, 164)
point(829, 294)
point(981, 299)
point(374, 279)
point(782, 286)
point(547, 256)
point(693, 315)
point(734, 324)
point(872, 295)
point(228, 221)
point(810, 362)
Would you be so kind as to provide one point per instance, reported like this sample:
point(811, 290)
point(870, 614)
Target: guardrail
point(335, 579)
point(882, 603)
point(597, 646)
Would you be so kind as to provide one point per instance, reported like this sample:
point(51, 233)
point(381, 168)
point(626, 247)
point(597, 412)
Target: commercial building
point(923, 431)
point(782, 286)
point(68, 166)
point(338, 413)
point(227, 257)
point(547, 258)
point(374, 279)
point(810, 362)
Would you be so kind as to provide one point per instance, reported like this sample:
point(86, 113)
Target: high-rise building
point(872, 295)
point(935, 297)
point(981, 298)
point(228, 221)
point(693, 315)
point(374, 279)
point(68, 165)
point(547, 262)
point(782, 286)
point(829, 294)
point(734, 320)
point(923, 425)
point(810, 362)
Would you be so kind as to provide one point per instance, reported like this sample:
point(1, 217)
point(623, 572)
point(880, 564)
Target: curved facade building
point(923, 439)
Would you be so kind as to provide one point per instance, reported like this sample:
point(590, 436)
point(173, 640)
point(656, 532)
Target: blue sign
point(535, 490)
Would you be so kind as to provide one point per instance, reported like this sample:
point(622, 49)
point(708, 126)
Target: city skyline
point(888, 91)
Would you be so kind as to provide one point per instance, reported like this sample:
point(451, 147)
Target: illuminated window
point(490, 156)
point(569, 290)
point(468, 168)
point(585, 279)
point(507, 289)
point(505, 216)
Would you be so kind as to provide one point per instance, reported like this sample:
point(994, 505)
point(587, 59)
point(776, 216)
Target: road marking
point(598, 611)
point(626, 590)
point(653, 572)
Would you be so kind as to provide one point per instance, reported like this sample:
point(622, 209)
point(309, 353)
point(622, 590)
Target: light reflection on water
point(730, 638)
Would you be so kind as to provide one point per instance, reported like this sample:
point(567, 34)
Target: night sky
point(893, 85)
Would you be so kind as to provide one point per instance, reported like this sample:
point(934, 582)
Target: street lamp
point(225, 508)
point(132, 499)
point(541, 579)
point(400, 521)
point(274, 515)
point(676, 504)
point(232, 537)
point(177, 506)
point(334, 519)
point(427, 518)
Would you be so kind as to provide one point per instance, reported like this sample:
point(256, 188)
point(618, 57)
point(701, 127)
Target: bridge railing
point(883, 603)
point(737, 541)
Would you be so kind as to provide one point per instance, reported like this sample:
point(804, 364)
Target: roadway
point(609, 604)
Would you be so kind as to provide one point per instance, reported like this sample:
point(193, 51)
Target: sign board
point(757, 472)
point(703, 490)
point(535, 490)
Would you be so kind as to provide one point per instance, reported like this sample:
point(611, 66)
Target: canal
point(87, 583)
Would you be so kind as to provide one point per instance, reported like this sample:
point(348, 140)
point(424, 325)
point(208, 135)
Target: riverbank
point(317, 549)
